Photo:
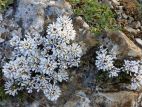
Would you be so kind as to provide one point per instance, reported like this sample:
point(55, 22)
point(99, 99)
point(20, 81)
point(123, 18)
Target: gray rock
point(79, 100)
point(116, 2)
point(1, 17)
point(33, 15)
point(115, 99)
point(131, 30)
point(139, 41)
point(126, 47)
point(36, 11)
point(125, 16)
point(138, 24)
point(30, 13)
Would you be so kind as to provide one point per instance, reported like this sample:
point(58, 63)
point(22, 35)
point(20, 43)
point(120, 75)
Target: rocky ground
point(82, 90)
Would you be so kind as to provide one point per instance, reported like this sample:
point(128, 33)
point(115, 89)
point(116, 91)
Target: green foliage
point(98, 16)
point(4, 4)
point(2, 92)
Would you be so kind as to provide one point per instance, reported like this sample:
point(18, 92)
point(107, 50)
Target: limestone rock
point(139, 41)
point(79, 100)
point(116, 99)
point(126, 47)
point(83, 32)
point(131, 30)
point(116, 2)
point(31, 13)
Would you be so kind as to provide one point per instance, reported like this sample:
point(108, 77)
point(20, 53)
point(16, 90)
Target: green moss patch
point(99, 16)
point(4, 4)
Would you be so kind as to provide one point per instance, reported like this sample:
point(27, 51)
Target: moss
point(4, 4)
point(98, 16)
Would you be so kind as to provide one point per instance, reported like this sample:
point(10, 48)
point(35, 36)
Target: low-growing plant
point(99, 16)
point(4, 4)
point(40, 62)
point(129, 71)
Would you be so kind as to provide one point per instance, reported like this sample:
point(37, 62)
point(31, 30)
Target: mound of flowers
point(105, 61)
point(40, 62)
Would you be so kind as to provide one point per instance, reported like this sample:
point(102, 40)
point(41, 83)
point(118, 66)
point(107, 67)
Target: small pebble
point(139, 41)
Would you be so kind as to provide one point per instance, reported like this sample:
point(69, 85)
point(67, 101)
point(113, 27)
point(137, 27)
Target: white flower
point(62, 75)
point(41, 81)
point(29, 84)
point(114, 72)
point(11, 88)
point(38, 39)
point(33, 61)
point(134, 85)
point(47, 65)
point(76, 50)
point(52, 29)
point(27, 46)
point(9, 70)
point(37, 62)
point(49, 51)
point(15, 40)
point(67, 30)
point(20, 62)
point(132, 66)
point(24, 73)
point(104, 60)
point(64, 20)
point(52, 92)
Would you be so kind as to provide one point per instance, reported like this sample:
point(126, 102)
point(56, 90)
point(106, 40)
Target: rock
point(108, 2)
point(126, 47)
point(116, 2)
point(33, 16)
point(130, 19)
point(36, 11)
point(1, 18)
point(115, 99)
point(9, 13)
point(124, 16)
point(83, 32)
point(140, 1)
point(136, 24)
point(139, 41)
point(131, 30)
point(79, 100)
point(81, 22)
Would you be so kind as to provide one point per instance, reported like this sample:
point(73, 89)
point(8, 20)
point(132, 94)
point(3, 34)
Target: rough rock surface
point(126, 47)
point(80, 91)
point(117, 99)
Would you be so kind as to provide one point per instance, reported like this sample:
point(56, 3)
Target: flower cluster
point(134, 68)
point(105, 62)
point(40, 62)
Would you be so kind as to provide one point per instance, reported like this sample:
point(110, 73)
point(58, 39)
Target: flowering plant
point(105, 61)
point(40, 62)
